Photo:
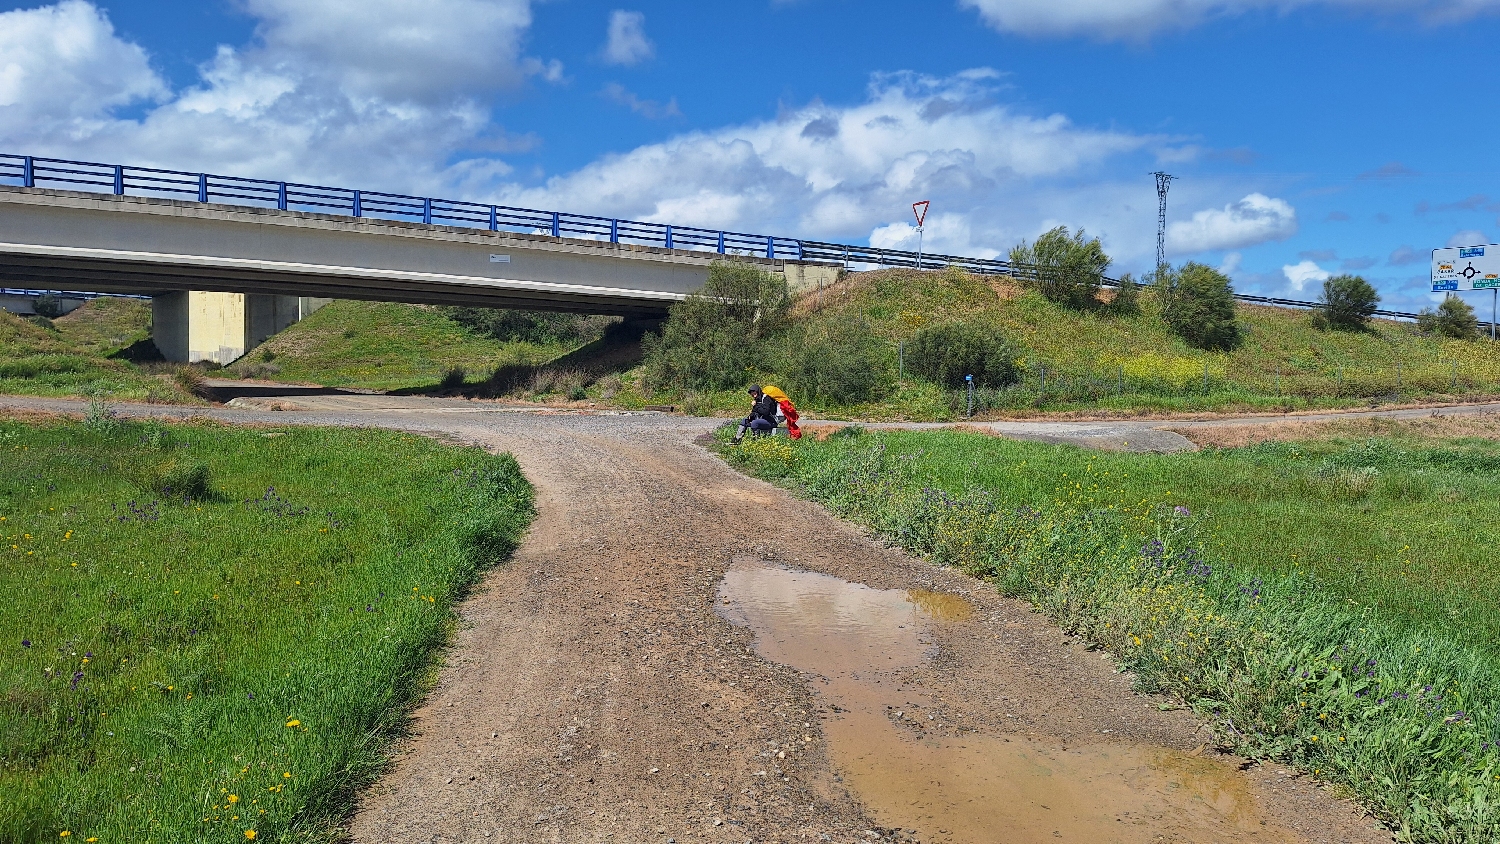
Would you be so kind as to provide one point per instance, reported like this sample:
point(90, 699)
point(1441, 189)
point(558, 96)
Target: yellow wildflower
point(294, 723)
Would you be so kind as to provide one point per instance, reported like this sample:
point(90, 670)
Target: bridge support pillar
point(196, 325)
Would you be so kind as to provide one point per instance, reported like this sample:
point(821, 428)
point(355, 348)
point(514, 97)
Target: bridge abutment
point(196, 325)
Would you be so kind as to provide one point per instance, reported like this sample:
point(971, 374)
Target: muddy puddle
point(859, 645)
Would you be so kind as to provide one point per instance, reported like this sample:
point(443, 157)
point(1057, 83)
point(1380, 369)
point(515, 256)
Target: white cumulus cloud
point(845, 172)
point(1255, 219)
point(1134, 19)
point(327, 91)
point(1300, 274)
point(626, 42)
point(62, 69)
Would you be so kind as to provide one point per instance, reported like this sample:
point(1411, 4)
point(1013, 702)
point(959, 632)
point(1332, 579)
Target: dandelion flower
point(64, 834)
point(250, 834)
point(294, 723)
point(234, 798)
point(287, 775)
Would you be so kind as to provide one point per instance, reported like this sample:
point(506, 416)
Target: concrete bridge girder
point(164, 247)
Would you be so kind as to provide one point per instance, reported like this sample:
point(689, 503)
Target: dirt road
point(597, 689)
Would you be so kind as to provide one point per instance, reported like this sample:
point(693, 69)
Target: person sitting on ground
point(762, 418)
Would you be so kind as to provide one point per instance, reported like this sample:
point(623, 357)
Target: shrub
point(1067, 270)
point(453, 379)
point(1348, 302)
point(539, 327)
point(1198, 306)
point(1127, 301)
point(711, 337)
point(842, 362)
point(48, 305)
point(190, 378)
point(945, 353)
point(1453, 318)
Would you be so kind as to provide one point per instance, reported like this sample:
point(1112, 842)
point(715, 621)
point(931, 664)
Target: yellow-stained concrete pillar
point(202, 325)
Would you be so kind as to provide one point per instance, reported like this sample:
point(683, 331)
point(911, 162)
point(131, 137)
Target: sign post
point(920, 210)
point(1460, 268)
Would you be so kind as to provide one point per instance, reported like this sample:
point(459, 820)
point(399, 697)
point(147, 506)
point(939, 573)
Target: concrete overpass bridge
point(228, 261)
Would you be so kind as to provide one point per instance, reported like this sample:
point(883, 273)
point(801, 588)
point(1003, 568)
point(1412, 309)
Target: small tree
point(945, 353)
point(1127, 301)
point(49, 305)
point(1453, 318)
point(1198, 305)
point(1066, 269)
point(1348, 303)
point(710, 338)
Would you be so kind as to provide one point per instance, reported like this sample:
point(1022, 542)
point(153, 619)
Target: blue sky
point(1308, 136)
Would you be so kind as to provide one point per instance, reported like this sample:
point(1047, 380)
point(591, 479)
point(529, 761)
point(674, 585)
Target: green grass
point(262, 640)
point(1327, 603)
point(383, 346)
point(105, 325)
point(1099, 362)
point(69, 360)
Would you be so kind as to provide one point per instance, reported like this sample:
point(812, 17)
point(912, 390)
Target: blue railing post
point(28, 173)
point(721, 243)
point(359, 203)
point(494, 219)
point(281, 195)
point(669, 237)
point(614, 231)
point(119, 180)
point(770, 247)
point(556, 224)
point(202, 187)
point(427, 211)
point(799, 250)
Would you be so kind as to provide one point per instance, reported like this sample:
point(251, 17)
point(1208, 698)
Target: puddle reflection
point(975, 788)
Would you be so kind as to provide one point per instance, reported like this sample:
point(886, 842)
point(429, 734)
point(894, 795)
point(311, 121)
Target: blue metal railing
point(121, 180)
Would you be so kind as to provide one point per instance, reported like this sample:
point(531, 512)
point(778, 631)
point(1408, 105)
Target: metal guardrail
point(122, 180)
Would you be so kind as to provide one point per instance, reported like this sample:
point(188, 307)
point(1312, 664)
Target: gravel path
point(594, 694)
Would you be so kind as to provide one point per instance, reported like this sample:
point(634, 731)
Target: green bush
point(945, 353)
point(1348, 302)
point(1453, 318)
point(1127, 301)
point(711, 338)
point(48, 305)
point(1067, 270)
point(1198, 305)
point(842, 362)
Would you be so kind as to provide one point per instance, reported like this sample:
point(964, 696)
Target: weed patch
point(1284, 663)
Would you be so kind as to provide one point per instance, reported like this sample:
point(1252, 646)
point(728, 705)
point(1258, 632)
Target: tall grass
point(211, 633)
point(1404, 715)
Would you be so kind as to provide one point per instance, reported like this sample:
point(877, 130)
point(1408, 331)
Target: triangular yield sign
point(920, 209)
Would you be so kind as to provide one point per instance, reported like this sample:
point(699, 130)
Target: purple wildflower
point(25, 643)
point(1181, 511)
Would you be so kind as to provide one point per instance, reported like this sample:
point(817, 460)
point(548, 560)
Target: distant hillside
point(1098, 361)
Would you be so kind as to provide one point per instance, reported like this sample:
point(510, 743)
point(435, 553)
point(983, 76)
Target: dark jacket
point(765, 408)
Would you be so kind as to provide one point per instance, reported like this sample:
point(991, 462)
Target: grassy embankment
point(210, 633)
point(384, 346)
point(1327, 603)
point(1099, 362)
point(72, 358)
